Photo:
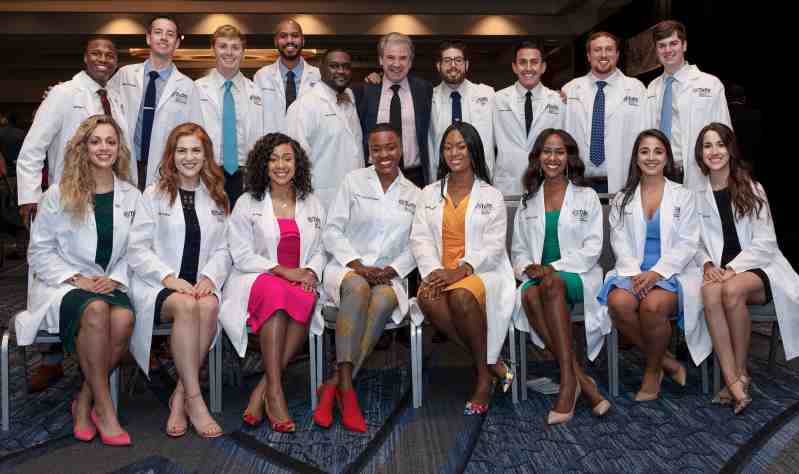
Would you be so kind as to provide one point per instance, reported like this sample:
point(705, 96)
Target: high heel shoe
point(724, 397)
point(86, 435)
point(506, 380)
point(474, 408)
point(173, 431)
point(351, 415)
point(602, 407)
point(643, 396)
point(680, 377)
point(557, 418)
point(739, 405)
point(122, 439)
point(287, 426)
point(210, 429)
point(251, 420)
point(323, 415)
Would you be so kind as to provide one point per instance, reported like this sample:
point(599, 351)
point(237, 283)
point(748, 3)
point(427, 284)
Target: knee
point(185, 305)
point(460, 300)
point(383, 299)
point(554, 288)
point(355, 286)
point(96, 316)
point(731, 294)
point(619, 304)
point(208, 309)
point(652, 309)
point(122, 324)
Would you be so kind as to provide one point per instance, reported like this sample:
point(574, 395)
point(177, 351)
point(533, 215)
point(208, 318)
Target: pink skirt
point(271, 293)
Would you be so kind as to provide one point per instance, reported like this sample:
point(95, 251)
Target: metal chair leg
point(772, 349)
point(215, 376)
point(512, 344)
point(613, 362)
point(416, 378)
point(313, 356)
point(6, 391)
point(521, 375)
point(705, 378)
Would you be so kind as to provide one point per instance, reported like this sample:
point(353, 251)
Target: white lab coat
point(211, 97)
point(679, 242)
point(486, 225)
point(253, 236)
point(366, 224)
point(625, 118)
point(67, 106)
point(477, 106)
point(273, 90)
point(759, 250)
point(330, 135)
point(513, 143)
point(580, 235)
point(61, 248)
point(155, 251)
point(700, 101)
point(179, 103)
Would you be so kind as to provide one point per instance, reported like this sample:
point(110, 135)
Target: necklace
point(283, 205)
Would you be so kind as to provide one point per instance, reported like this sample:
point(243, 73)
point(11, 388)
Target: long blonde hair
point(77, 183)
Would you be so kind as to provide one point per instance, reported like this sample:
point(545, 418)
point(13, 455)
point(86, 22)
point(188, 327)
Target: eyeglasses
point(459, 61)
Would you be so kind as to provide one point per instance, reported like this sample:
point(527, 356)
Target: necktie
point(229, 138)
point(666, 108)
point(528, 111)
point(148, 115)
point(457, 113)
point(598, 125)
point(291, 89)
point(395, 113)
point(343, 98)
point(104, 100)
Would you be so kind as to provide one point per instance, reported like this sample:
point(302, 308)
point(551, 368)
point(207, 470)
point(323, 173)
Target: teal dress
point(74, 303)
point(551, 253)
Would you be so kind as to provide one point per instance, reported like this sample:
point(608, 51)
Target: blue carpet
point(152, 465)
point(681, 431)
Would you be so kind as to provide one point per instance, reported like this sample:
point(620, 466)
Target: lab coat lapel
point(539, 209)
point(614, 96)
point(667, 214)
point(169, 88)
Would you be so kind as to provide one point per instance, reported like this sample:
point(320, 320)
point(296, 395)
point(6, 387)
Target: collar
point(398, 181)
point(404, 85)
point(536, 91)
point(611, 80)
point(682, 74)
point(461, 89)
point(219, 80)
point(332, 95)
point(87, 82)
point(162, 73)
point(297, 69)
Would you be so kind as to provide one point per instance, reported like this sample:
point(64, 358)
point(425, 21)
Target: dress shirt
point(238, 89)
point(592, 170)
point(297, 74)
point(410, 147)
point(680, 81)
point(160, 83)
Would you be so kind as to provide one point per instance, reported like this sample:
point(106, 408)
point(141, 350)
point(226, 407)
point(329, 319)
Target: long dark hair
point(634, 172)
point(743, 197)
point(476, 155)
point(258, 180)
point(534, 176)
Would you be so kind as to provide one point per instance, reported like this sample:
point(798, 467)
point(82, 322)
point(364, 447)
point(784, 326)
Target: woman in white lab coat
point(275, 240)
point(741, 261)
point(655, 236)
point(557, 241)
point(458, 239)
point(77, 256)
point(367, 233)
point(179, 259)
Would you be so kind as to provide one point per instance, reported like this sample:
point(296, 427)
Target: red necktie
point(104, 99)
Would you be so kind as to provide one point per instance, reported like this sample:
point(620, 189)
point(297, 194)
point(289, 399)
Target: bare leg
point(471, 327)
point(736, 292)
point(350, 327)
point(440, 315)
point(382, 303)
point(180, 310)
point(654, 311)
point(534, 310)
point(720, 334)
point(273, 342)
point(558, 323)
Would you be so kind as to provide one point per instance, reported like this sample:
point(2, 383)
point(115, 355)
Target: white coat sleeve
point(241, 239)
point(318, 257)
point(46, 125)
point(520, 252)
point(722, 111)
point(684, 246)
point(763, 248)
point(142, 259)
point(334, 235)
point(219, 262)
point(405, 262)
point(485, 258)
point(584, 258)
point(422, 242)
point(44, 256)
point(620, 241)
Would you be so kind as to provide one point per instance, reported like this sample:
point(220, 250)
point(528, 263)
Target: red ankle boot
point(351, 416)
point(323, 415)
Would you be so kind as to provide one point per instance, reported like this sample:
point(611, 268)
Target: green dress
point(74, 303)
point(551, 253)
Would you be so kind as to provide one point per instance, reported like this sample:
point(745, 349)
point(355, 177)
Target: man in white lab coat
point(288, 78)
point(693, 99)
point(325, 123)
point(157, 98)
point(458, 99)
point(232, 108)
point(521, 112)
point(605, 112)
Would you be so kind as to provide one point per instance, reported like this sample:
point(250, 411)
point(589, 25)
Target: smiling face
point(553, 157)
point(336, 70)
point(189, 159)
point(651, 157)
point(229, 53)
point(100, 59)
point(671, 52)
point(385, 152)
point(282, 165)
point(289, 40)
point(396, 61)
point(603, 55)
point(162, 38)
point(528, 67)
point(715, 154)
point(456, 153)
point(452, 66)
point(103, 147)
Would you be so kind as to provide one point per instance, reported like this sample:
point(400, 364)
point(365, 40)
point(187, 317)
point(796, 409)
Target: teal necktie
point(666, 107)
point(230, 152)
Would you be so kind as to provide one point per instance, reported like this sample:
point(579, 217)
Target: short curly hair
point(258, 180)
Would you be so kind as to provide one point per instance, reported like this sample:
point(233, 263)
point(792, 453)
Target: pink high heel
point(86, 435)
point(122, 439)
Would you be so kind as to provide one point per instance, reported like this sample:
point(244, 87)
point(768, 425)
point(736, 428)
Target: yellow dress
point(453, 235)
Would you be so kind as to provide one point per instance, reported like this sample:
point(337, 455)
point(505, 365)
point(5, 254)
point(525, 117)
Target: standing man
point(402, 100)
point(325, 123)
point(157, 98)
point(683, 99)
point(232, 106)
point(457, 99)
point(522, 111)
point(287, 78)
point(605, 112)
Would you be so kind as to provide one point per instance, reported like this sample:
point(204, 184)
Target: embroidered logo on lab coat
point(703, 92)
point(256, 100)
point(317, 222)
point(485, 208)
point(553, 109)
point(217, 212)
point(407, 206)
point(181, 98)
point(129, 214)
point(630, 100)
point(482, 100)
point(676, 212)
point(581, 215)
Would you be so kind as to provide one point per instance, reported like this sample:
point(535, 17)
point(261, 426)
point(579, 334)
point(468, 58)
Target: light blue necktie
point(229, 139)
point(666, 108)
point(597, 152)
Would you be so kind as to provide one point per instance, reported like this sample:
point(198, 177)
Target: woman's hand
point(104, 285)
point(178, 284)
point(538, 271)
point(308, 280)
point(728, 273)
point(83, 283)
point(204, 287)
point(643, 282)
point(712, 273)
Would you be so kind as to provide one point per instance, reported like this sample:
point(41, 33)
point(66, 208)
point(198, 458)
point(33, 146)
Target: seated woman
point(655, 235)
point(367, 233)
point(78, 259)
point(458, 239)
point(179, 258)
point(275, 240)
point(741, 260)
point(557, 241)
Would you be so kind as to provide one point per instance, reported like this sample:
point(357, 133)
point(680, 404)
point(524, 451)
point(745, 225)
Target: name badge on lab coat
point(580, 215)
point(256, 100)
point(181, 98)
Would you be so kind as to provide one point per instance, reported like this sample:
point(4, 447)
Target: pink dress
point(271, 293)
